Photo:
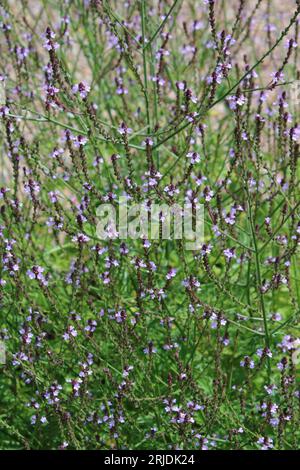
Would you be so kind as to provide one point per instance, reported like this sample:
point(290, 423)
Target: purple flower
point(171, 273)
point(82, 88)
point(194, 157)
point(289, 343)
point(3, 191)
point(36, 272)
point(49, 44)
point(124, 130)
point(276, 317)
point(150, 349)
point(79, 141)
point(32, 188)
point(80, 238)
point(71, 332)
point(247, 362)
point(53, 196)
point(265, 443)
point(264, 352)
point(229, 253)
point(191, 283)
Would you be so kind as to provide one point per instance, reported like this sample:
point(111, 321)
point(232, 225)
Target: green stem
point(259, 284)
point(230, 90)
point(161, 25)
point(143, 16)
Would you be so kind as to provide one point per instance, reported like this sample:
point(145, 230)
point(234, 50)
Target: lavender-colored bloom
point(276, 317)
point(36, 272)
point(265, 443)
point(247, 362)
point(124, 130)
point(171, 273)
point(289, 343)
point(229, 253)
point(194, 157)
point(82, 88)
point(150, 349)
point(81, 238)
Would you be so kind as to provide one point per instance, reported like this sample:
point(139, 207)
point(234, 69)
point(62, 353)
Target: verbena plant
point(142, 344)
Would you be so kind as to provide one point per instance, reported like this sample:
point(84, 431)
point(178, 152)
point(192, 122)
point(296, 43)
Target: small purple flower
point(289, 343)
point(32, 188)
point(79, 141)
point(71, 332)
point(191, 283)
point(171, 190)
point(49, 44)
point(276, 317)
point(36, 272)
point(194, 157)
point(124, 130)
point(247, 362)
point(229, 253)
point(3, 191)
point(81, 238)
point(150, 349)
point(53, 196)
point(266, 443)
point(171, 273)
point(148, 142)
point(82, 88)
point(264, 352)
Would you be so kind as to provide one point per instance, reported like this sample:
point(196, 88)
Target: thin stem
point(230, 90)
point(143, 16)
point(161, 25)
point(259, 283)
